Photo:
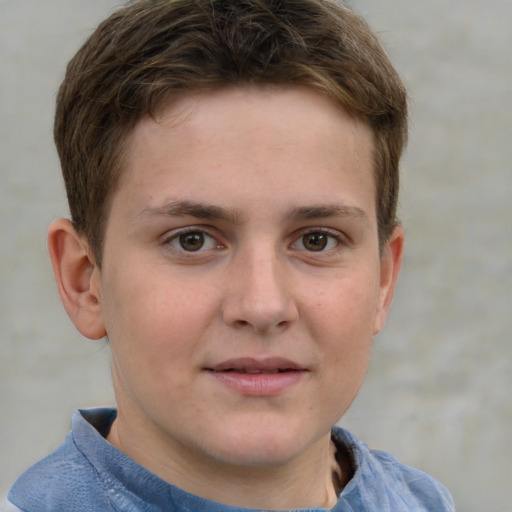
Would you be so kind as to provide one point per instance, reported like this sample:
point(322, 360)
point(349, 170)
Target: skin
point(274, 187)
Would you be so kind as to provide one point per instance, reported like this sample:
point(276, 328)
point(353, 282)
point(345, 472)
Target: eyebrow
point(185, 208)
point(325, 211)
point(193, 209)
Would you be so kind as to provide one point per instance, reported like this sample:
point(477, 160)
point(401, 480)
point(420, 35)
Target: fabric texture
point(88, 474)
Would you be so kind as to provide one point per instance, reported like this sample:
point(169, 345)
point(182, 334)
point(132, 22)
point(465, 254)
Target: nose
point(260, 296)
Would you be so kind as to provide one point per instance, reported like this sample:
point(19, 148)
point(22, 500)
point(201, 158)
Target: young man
point(232, 175)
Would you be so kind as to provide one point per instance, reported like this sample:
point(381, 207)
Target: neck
point(304, 482)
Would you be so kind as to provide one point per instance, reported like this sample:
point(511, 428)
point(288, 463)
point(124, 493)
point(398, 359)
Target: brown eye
point(191, 241)
point(315, 241)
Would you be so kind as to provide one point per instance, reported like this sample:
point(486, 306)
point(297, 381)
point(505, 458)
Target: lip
point(258, 377)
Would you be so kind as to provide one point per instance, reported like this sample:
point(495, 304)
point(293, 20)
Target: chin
point(263, 447)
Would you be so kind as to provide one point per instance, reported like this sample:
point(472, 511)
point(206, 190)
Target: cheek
point(154, 345)
point(343, 329)
point(346, 307)
point(343, 334)
point(152, 320)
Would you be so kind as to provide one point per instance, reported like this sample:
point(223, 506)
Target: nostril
point(260, 312)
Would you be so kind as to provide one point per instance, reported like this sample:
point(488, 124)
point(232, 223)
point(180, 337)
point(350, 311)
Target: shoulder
point(424, 490)
point(63, 481)
point(381, 480)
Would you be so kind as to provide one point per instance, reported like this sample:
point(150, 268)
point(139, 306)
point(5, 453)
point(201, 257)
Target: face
point(241, 281)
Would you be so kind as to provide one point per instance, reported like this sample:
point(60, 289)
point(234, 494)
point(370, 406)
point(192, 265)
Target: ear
point(390, 263)
point(77, 278)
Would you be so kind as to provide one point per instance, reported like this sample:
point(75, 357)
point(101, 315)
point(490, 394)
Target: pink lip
point(258, 377)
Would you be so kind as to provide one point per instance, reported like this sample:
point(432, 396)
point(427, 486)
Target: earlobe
point(390, 264)
point(77, 278)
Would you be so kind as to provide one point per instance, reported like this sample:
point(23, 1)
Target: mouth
point(255, 372)
point(258, 377)
point(257, 366)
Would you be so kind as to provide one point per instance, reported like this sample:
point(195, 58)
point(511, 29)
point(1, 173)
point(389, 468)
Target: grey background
point(439, 385)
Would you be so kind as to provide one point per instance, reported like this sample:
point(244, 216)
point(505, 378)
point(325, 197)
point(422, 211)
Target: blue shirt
point(89, 474)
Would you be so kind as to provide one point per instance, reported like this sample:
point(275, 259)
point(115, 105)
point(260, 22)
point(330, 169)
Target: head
point(153, 52)
point(232, 170)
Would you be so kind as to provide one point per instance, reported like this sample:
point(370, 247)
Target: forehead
point(282, 105)
point(268, 133)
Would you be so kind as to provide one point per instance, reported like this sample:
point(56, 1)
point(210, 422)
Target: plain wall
point(437, 393)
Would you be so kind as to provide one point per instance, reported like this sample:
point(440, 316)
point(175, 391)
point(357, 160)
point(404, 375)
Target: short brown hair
point(152, 50)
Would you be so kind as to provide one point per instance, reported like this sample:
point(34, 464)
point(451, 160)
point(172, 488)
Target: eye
point(316, 241)
point(192, 241)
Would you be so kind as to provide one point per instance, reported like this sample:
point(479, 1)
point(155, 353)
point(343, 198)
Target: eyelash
point(321, 232)
point(177, 238)
point(323, 235)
